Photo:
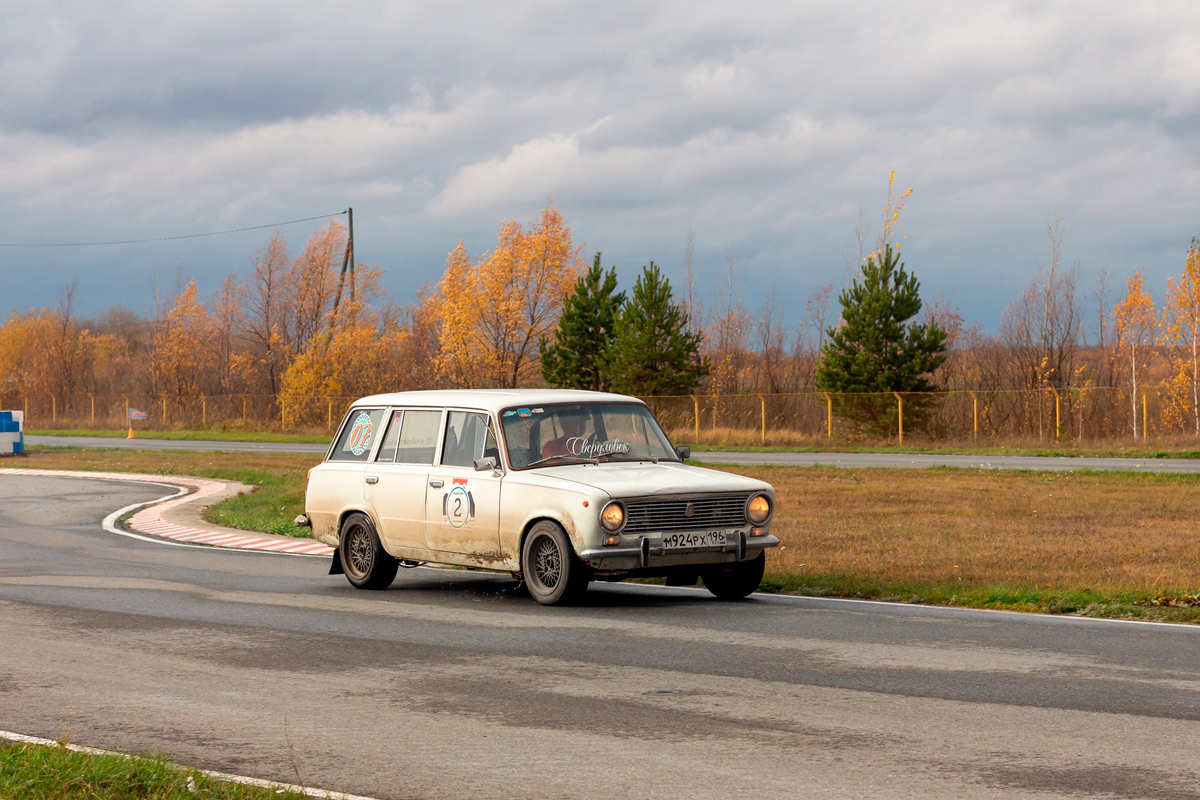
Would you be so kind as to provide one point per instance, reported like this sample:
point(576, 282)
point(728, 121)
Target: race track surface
point(454, 684)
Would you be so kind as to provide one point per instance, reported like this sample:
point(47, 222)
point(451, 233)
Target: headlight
point(613, 516)
point(759, 509)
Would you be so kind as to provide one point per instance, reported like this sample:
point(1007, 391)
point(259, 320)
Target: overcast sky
point(765, 127)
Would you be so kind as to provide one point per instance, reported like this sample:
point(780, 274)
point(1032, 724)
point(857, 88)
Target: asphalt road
point(851, 460)
point(454, 684)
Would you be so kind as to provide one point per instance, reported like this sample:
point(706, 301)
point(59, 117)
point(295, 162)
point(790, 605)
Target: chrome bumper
point(743, 545)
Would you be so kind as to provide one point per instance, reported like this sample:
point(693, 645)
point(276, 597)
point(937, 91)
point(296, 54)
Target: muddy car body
point(557, 487)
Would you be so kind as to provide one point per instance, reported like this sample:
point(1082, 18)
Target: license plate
point(674, 541)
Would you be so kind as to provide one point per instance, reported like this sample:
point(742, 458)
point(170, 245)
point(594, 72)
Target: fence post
point(1057, 415)
point(203, 411)
point(283, 414)
point(329, 416)
point(127, 422)
point(243, 411)
point(975, 416)
point(53, 408)
point(828, 415)
point(763, 414)
point(93, 409)
point(164, 421)
point(696, 406)
point(900, 407)
point(1144, 424)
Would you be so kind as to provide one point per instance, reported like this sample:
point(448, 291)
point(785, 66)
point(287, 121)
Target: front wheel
point(552, 573)
point(735, 581)
point(366, 564)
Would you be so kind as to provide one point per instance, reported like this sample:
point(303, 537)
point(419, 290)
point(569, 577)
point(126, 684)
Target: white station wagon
point(557, 487)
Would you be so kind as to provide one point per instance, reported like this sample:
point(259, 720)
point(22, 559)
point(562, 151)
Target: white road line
point(221, 776)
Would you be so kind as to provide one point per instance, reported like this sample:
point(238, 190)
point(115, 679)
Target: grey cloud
point(763, 127)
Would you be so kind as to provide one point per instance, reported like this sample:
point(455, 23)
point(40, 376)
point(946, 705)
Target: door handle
point(372, 479)
point(437, 483)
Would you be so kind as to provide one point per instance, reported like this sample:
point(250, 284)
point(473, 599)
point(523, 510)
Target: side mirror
point(486, 463)
point(683, 451)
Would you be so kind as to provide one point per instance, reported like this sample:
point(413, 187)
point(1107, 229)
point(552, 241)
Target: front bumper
point(650, 554)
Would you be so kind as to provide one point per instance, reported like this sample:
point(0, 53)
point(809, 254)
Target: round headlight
point(613, 516)
point(759, 509)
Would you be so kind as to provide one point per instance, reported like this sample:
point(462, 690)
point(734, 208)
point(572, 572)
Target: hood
point(646, 479)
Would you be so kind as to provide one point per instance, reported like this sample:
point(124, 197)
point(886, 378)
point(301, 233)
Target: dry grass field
point(1108, 544)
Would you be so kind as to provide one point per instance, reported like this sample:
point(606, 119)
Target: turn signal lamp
point(758, 509)
point(612, 540)
point(613, 516)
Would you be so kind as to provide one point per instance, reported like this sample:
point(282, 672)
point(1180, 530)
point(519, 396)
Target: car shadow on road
point(443, 584)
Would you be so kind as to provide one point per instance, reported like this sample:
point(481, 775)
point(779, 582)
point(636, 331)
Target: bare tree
point(1042, 327)
point(267, 323)
point(771, 339)
point(689, 279)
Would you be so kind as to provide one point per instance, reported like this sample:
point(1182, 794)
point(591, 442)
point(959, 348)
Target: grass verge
point(1099, 544)
point(39, 772)
point(1108, 451)
point(744, 444)
point(212, 435)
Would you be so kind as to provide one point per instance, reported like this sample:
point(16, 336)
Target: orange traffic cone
point(130, 436)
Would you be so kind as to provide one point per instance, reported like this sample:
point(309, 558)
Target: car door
point(462, 507)
point(397, 480)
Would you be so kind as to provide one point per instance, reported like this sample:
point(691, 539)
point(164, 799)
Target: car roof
point(493, 400)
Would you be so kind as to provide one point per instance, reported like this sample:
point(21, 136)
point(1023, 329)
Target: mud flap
point(335, 568)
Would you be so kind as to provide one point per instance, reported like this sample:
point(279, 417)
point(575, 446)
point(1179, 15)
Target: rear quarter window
point(358, 435)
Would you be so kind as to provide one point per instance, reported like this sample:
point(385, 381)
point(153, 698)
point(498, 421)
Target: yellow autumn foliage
point(493, 313)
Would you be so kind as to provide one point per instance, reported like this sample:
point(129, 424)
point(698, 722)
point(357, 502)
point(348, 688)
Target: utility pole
point(347, 260)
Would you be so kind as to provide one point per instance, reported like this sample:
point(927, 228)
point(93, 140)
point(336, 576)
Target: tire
point(552, 574)
point(735, 581)
point(366, 563)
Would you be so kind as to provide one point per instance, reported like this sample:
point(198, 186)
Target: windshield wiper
point(626, 457)
point(571, 459)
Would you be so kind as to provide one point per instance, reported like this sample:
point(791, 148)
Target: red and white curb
point(220, 776)
point(148, 517)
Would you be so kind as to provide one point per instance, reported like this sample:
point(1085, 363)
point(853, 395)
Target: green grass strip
point(39, 772)
point(1157, 606)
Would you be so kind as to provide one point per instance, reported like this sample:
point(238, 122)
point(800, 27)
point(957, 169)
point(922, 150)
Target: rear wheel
point(366, 563)
point(552, 573)
point(735, 581)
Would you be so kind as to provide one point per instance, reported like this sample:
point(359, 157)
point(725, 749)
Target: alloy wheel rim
point(547, 563)
point(360, 551)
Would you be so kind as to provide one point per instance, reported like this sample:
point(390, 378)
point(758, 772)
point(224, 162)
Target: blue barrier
point(12, 432)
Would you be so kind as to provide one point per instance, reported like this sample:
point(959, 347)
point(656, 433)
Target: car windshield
point(553, 435)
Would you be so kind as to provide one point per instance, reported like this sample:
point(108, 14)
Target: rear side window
point(387, 450)
point(418, 437)
point(358, 435)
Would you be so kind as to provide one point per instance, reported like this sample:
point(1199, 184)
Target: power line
point(171, 238)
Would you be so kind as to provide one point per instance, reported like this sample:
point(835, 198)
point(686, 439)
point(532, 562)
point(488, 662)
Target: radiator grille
point(709, 512)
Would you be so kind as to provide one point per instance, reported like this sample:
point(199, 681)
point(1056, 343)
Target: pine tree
point(652, 352)
point(879, 349)
point(585, 332)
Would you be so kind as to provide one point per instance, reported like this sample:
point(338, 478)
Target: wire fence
point(1093, 414)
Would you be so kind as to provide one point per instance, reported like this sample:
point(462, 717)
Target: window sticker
point(524, 412)
point(510, 413)
point(581, 446)
point(359, 440)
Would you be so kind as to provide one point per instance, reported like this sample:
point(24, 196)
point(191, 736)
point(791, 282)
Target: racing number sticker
point(459, 507)
point(360, 435)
